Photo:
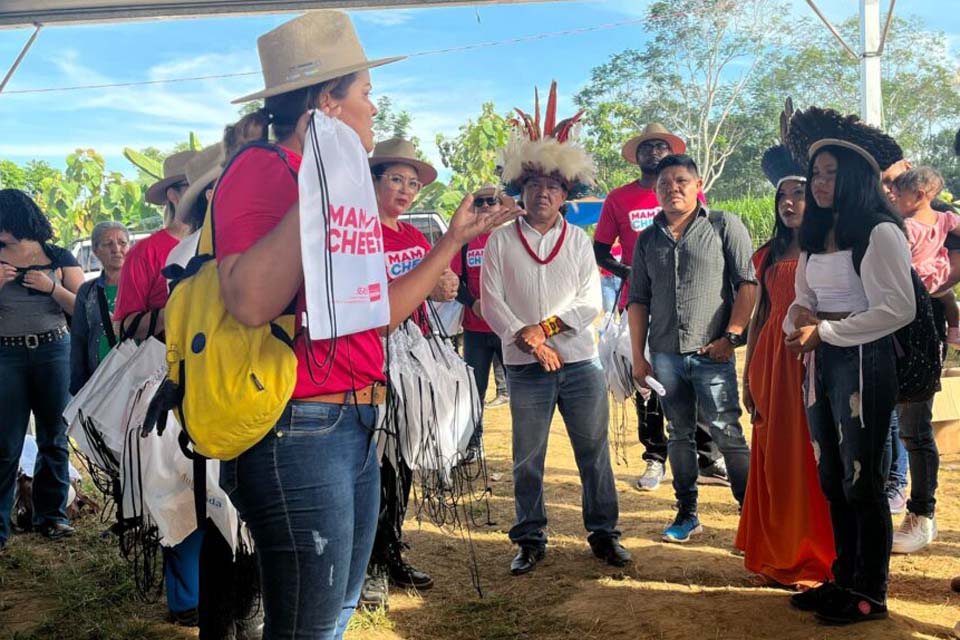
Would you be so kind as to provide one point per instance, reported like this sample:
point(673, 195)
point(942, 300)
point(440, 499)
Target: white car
point(432, 225)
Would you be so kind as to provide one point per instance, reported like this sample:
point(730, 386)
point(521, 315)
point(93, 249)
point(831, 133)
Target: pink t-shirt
point(142, 287)
point(253, 196)
point(927, 253)
point(475, 249)
point(403, 249)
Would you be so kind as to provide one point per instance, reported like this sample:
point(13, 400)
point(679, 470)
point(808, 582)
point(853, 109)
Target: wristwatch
point(735, 339)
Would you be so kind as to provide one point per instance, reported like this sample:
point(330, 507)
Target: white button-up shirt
point(518, 291)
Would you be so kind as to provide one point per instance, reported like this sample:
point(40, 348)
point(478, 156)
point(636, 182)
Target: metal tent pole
point(871, 96)
point(23, 52)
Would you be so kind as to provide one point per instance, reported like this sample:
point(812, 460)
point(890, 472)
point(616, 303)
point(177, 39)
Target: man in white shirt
point(541, 295)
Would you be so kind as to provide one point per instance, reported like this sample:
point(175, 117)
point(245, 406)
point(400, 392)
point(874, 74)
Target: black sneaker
point(813, 599)
point(851, 608)
point(714, 474)
point(188, 618)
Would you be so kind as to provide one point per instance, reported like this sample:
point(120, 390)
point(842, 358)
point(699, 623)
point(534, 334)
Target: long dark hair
point(21, 217)
point(777, 246)
point(858, 202)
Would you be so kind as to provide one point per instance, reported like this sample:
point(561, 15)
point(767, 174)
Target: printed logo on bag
point(400, 262)
point(368, 293)
point(640, 219)
point(353, 231)
point(475, 258)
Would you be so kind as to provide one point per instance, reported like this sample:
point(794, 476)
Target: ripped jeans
point(310, 493)
point(850, 395)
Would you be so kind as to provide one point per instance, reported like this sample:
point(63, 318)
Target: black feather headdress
point(806, 128)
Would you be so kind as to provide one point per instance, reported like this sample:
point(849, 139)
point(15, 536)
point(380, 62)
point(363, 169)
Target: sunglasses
point(485, 201)
point(655, 146)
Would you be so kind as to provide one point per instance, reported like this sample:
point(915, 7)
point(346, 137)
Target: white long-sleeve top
point(517, 291)
point(886, 282)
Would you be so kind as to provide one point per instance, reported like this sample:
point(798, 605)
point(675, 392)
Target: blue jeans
point(609, 286)
point(916, 431)
point(700, 388)
point(310, 493)
point(35, 380)
point(849, 417)
point(579, 391)
point(181, 573)
point(480, 349)
point(899, 461)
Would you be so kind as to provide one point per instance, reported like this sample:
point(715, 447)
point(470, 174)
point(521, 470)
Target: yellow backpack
point(228, 383)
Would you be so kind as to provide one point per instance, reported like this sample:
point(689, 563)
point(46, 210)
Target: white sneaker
point(915, 533)
point(651, 478)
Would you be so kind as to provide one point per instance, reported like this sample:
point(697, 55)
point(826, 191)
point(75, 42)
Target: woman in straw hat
point(398, 177)
point(142, 287)
point(309, 490)
point(854, 289)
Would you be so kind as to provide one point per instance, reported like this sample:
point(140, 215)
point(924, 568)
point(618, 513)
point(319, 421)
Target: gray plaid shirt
point(689, 285)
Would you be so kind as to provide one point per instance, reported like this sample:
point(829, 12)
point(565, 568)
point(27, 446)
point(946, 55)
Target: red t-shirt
point(252, 197)
point(627, 211)
point(475, 249)
point(142, 287)
point(403, 249)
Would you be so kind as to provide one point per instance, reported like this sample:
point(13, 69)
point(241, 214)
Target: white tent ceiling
point(23, 13)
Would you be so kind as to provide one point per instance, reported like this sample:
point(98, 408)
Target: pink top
point(927, 253)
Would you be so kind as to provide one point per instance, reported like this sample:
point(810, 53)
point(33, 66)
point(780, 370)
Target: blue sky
point(440, 91)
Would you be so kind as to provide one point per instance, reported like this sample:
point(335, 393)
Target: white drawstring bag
point(157, 479)
point(340, 236)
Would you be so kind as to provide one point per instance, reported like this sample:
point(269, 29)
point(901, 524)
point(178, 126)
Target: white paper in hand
point(340, 236)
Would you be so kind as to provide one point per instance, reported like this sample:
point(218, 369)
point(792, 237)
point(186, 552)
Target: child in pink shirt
point(926, 230)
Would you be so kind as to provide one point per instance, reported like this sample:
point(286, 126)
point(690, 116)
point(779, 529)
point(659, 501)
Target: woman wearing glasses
point(398, 177)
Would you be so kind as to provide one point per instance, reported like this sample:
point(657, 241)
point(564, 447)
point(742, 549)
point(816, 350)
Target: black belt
point(33, 340)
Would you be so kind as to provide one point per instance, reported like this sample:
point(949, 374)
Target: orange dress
point(785, 531)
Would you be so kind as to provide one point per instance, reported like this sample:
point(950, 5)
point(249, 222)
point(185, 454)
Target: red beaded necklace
point(556, 248)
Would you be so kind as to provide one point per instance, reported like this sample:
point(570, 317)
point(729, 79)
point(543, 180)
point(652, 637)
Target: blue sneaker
point(684, 525)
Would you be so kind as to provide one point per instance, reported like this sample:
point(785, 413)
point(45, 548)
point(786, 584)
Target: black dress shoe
point(57, 530)
point(611, 551)
point(526, 560)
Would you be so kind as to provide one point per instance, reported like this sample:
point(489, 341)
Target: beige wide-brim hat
point(400, 151)
point(653, 131)
point(317, 46)
point(205, 167)
point(489, 190)
point(174, 171)
point(836, 142)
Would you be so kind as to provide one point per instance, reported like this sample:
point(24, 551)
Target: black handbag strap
point(105, 316)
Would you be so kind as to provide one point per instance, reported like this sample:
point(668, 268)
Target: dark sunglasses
point(488, 201)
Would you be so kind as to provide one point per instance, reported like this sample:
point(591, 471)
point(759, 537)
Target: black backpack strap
point(105, 316)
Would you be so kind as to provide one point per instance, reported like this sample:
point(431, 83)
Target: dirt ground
point(80, 589)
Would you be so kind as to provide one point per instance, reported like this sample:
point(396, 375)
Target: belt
point(833, 315)
point(376, 393)
point(34, 340)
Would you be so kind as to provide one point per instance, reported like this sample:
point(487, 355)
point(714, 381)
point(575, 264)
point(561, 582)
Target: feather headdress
point(552, 151)
point(806, 128)
point(778, 164)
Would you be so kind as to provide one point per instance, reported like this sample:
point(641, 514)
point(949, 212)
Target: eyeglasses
point(397, 182)
point(658, 145)
point(485, 201)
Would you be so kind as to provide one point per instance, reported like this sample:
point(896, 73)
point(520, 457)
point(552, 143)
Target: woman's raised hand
point(467, 223)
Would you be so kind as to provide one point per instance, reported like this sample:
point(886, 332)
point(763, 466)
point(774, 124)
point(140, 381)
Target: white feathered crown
point(554, 152)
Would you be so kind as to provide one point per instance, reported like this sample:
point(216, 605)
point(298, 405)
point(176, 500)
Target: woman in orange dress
point(785, 531)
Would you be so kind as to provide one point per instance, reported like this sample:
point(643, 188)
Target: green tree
point(27, 177)
point(472, 157)
point(693, 75)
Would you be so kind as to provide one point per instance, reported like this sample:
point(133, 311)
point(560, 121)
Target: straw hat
point(491, 191)
point(317, 46)
point(400, 151)
point(202, 169)
point(653, 131)
point(174, 171)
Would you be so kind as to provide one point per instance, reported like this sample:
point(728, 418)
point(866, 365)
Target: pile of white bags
point(616, 356)
point(435, 406)
point(155, 477)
